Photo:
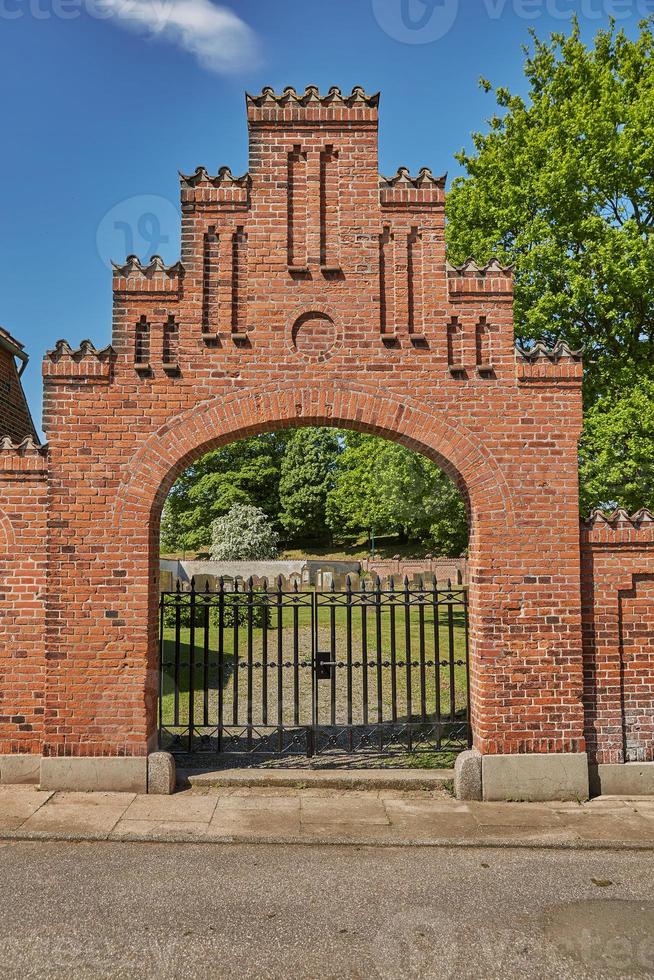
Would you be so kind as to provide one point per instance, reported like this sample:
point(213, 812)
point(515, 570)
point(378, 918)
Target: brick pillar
point(23, 562)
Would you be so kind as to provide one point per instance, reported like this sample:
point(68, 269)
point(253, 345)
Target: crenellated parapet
point(84, 363)
point(404, 192)
point(618, 527)
point(471, 281)
point(542, 364)
point(224, 191)
point(26, 456)
point(293, 108)
point(155, 278)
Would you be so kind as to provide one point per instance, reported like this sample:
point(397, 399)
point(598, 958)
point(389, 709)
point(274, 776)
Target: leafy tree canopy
point(306, 478)
point(313, 485)
point(617, 462)
point(387, 488)
point(245, 472)
point(562, 185)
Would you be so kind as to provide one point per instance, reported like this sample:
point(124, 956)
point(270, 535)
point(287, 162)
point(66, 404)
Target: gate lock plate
point(324, 665)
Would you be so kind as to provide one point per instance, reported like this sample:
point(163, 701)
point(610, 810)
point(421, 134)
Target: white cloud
point(216, 36)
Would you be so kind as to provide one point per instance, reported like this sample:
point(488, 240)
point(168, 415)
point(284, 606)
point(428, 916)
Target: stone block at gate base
point(533, 777)
point(117, 775)
point(622, 779)
point(162, 774)
point(467, 775)
point(19, 769)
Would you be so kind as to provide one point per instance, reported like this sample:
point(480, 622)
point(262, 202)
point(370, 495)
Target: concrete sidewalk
point(311, 816)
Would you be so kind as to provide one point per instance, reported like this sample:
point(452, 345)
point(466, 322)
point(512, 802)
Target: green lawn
point(254, 695)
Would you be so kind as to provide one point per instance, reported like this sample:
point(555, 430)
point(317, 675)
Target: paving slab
point(347, 833)
point(325, 813)
point(419, 820)
point(73, 820)
point(75, 798)
point(18, 803)
point(595, 827)
point(315, 815)
point(273, 817)
point(532, 815)
point(168, 830)
point(182, 807)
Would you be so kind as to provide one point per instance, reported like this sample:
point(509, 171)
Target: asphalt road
point(241, 911)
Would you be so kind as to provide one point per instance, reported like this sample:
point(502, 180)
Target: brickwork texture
point(309, 291)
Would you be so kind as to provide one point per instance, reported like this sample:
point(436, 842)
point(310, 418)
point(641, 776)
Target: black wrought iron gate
point(262, 670)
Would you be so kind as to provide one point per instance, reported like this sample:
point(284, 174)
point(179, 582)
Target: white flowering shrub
point(245, 533)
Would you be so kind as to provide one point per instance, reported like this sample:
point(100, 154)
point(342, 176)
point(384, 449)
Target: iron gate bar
point(393, 662)
point(221, 661)
point(200, 697)
point(437, 653)
point(205, 658)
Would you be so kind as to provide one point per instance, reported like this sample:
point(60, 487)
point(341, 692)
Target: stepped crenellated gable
point(619, 520)
point(541, 364)
point(26, 456)
point(542, 352)
point(155, 277)
point(66, 362)
point(311, 96)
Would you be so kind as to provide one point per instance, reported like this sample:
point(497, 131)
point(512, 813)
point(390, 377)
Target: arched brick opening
point(168, 452)
point(311, 245)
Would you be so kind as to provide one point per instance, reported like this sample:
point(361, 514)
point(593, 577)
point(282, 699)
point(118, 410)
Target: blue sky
point(104, 100)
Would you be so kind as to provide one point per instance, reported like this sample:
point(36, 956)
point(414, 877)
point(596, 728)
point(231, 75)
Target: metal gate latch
point(324, 665)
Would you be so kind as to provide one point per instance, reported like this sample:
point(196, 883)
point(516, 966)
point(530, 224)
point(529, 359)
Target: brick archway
point(310, 290)
point(169, 451)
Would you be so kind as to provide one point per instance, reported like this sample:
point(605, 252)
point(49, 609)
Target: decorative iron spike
point(192, 583)
point(179, 586)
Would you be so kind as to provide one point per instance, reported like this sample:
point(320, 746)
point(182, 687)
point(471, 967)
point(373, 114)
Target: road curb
point(499, 843)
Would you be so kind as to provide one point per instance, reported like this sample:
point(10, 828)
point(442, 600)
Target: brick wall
point(23, 566)
point(311, 291)
point(454, 569)
point(15, 419)
point(618, 622)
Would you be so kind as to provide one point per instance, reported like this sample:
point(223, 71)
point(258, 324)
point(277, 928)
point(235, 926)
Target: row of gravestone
point(324, 581)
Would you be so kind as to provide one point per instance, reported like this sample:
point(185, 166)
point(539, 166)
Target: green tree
point(562, 185)
point(245, 533)
point(617, 463)
point(245, 472)
point(384, 486)
point(307, 476)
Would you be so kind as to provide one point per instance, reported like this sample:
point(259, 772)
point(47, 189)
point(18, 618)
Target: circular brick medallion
point(315, 336)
